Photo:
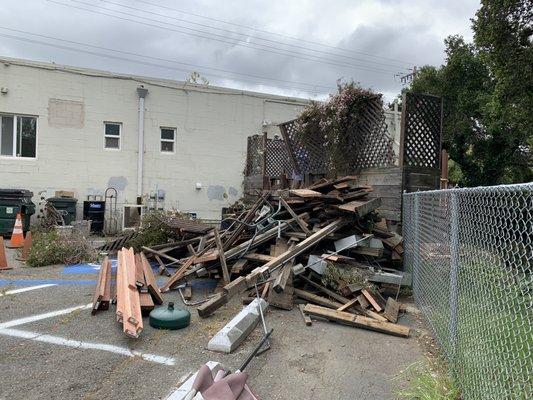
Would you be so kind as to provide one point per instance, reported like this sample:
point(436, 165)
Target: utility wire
point(246, 36)
point(270, 32)
point(310, 85)
point(288, 53)
point(137, 61)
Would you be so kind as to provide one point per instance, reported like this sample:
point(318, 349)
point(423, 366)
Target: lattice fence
point(254, 155)
point(277, 160)
point(307, 156)
point(368, 144)
point(422, 127)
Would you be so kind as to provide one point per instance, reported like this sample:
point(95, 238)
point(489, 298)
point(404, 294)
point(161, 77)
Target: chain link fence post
point(454, 269)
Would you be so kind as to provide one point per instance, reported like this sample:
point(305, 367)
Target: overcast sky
point(291, 47)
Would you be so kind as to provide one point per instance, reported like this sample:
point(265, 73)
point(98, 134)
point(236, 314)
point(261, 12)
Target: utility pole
point(408, 78)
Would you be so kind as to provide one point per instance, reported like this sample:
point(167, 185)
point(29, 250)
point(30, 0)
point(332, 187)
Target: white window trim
point(113, 136)
point(15, 117)
point(161, 140)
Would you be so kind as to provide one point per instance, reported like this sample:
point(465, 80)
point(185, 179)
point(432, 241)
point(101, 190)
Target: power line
point(163, 59)
point(28, 40)
point(271, 33)
point(288, 53)
point(247, 35)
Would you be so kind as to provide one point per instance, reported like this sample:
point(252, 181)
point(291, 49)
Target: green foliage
point(50, 247)
point(332, 124)
point(427, 383)
point(153, 231)
point(487, 87)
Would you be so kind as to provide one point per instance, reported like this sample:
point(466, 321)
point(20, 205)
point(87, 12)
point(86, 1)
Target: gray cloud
point(404, 30)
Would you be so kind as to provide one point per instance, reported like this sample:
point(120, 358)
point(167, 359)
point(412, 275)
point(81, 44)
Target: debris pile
point(324, 246)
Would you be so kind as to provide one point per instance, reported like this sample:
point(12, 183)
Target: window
point(168, 139)
point(112, 135)
point(18, 136)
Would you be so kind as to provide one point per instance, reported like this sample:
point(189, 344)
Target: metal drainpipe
point(142, 92)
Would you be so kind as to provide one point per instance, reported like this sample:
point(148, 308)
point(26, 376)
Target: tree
point(487, 87)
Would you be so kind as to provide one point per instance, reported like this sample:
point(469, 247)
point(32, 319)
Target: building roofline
point(168, 83)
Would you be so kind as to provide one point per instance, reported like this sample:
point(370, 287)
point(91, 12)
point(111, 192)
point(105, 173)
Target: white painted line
point(26, 289)
point(39, 317)
point(86, 345)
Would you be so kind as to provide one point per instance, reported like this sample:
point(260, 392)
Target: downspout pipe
point(142, 92)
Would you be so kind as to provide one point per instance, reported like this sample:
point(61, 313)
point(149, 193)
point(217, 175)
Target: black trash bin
point(12, 202)
point(94, 210)
point(66, 207)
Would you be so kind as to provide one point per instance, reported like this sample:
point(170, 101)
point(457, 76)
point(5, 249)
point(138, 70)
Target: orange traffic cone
point(17, 238)
point(27, 247)
point(3, 258)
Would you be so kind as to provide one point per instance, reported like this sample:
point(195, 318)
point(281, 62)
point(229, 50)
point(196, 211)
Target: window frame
point(119, 136)
point(15, 117)
point(173, 141)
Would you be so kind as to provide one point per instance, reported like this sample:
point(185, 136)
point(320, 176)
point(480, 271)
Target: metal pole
point(454, 269)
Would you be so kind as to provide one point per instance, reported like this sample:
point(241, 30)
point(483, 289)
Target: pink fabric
point(231, 387)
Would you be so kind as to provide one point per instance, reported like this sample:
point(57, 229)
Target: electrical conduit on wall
point(142, 92)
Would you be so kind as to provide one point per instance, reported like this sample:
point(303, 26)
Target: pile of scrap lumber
point(324, 245)
point(135, 290)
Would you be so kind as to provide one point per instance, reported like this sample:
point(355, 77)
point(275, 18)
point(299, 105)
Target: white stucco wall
point(212, 127)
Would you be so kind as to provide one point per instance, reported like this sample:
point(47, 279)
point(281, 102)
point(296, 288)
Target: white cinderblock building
point(65, 128)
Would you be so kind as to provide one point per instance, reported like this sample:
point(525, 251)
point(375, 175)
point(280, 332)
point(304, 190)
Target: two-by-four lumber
point(210, 306)
point(306, 318)
point(222, 257)
point(139, 273)
point(313, 298)
point(247, 219)
point(151, 283)
point(102, 291)
point(350, 304)
point(325, 290)
point(299, 221)
point(357, 321)
point(162, 267)
point(371, 300)
point(361, 208)
point(258, 257)
point(133, 293)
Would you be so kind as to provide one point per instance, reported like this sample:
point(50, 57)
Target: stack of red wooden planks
point(136, 290)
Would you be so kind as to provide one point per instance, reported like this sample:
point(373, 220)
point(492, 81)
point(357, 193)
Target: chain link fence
point(471, 255)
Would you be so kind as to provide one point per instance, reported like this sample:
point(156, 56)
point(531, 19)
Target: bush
point(153, 231)
point(51, 247)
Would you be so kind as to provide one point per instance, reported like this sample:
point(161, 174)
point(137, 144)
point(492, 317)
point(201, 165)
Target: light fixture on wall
point(4, 90)
point(198, 185)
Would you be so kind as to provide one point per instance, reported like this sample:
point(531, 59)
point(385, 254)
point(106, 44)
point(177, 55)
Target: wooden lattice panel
point(254, 155)
point(277, 159)
point(422, 125)
point(306, 156)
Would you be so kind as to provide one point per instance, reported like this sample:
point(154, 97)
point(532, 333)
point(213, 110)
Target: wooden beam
point(306, 318)
point(350, 304)
point(222, 257)
point(209, 307)
point(360, 208)
point(258, 257)
point(371, 300)
point(357, 321)
point(151, 282)
point(298, 220)
point(313, 298)
point(341, 299)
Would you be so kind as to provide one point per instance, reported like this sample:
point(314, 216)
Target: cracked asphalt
point(323, 361)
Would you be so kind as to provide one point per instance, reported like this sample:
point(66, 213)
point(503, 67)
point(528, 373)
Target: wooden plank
point(375, 315)
point(100, 287)
point(357, 321)
point(360, 208)
point(283, 300)
point(162, 267)
point(238, 266)
point(341, 299)
point(391, 310)
point(191, 250)
point(367, 251)
point(139, 273)
point(363, 302)
point(258, 257)
point(210, 306)
point(313, 298)
point(306, 318)
point(151, 283)
point(306, 193)
point(222, 257)
point(146, 301)
point(350, 304)
point(187, 292)
point(301, 223)
point(236, 286)
point(371, 300)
